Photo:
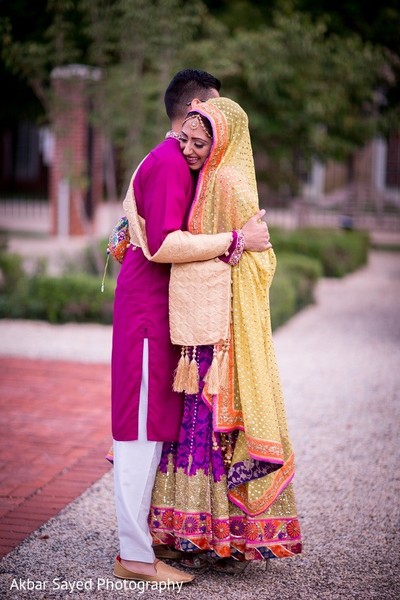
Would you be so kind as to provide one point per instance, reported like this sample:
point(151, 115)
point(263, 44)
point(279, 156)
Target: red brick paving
point(54, 433)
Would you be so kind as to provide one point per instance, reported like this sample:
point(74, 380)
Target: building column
point(76, 174)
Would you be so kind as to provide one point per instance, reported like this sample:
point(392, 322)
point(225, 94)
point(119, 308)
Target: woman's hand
point(256, 234)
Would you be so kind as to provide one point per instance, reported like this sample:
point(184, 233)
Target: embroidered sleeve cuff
point(228, 254)
point(237, 253)
point(235, 250)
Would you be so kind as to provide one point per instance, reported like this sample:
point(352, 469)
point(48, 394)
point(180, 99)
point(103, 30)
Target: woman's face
point(195, 144)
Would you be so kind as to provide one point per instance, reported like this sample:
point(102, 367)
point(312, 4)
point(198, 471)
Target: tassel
point(185, 374)
point(223, 359)
point(180, 376)
point(105, 272)
point(192, 386)
point(212, 377)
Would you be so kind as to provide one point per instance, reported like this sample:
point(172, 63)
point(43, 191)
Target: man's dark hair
point(186, 85)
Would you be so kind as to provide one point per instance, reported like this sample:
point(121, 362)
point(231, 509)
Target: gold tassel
point(179, 376)
point(212, 376)
point(185, 375)
point(223, 359)
point(192, 386)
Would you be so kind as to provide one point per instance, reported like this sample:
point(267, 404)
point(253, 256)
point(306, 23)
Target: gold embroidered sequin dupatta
point(226, 197)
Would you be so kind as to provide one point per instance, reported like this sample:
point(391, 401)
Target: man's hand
point(256, 234)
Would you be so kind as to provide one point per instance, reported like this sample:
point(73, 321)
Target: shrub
point(70, 298)
point(303, 256)
point(11, 272)
point(339, 251)
point(282, 300)
point(90, 260)
point(293, 286)
point(55, 299)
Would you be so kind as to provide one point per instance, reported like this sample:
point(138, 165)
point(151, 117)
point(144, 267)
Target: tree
point(30, 53)
point(310, 89)
point(136, 43)
point(307, 94)
point(373, 24)
point(144, 41)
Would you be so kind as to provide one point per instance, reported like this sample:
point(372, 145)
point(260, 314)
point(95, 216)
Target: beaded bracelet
point(238, 251)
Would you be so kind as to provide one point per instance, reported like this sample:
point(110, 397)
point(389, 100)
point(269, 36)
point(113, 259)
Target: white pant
point(135, 467)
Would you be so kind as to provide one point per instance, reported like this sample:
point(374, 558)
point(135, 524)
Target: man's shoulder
point(168, 151)
point(165, 160)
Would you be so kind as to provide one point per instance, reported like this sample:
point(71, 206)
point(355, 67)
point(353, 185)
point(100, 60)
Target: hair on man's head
point(186, 85)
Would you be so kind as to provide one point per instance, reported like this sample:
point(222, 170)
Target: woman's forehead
point(194, 132)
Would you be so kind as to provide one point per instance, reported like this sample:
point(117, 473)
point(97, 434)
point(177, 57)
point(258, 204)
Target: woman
point(225, 488)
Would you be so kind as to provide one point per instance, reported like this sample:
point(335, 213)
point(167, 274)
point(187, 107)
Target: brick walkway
point(54, 433)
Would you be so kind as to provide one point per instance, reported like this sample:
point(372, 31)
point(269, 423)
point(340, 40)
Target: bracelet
point(238, 251)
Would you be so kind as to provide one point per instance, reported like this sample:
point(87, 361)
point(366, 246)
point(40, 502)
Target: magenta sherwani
point(163, 189)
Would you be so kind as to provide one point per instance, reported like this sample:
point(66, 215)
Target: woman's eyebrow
point(195, 138)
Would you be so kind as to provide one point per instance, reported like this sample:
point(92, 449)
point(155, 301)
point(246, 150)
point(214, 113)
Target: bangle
point(238, 251)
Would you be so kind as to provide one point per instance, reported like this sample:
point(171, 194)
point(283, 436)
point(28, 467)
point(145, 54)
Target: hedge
point(303, 256)
point(77, 297)
point(339, 251)
point(293, 286)
point(56, 299)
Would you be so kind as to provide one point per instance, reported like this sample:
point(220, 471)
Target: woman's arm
point(166, 201)
point(182, 246)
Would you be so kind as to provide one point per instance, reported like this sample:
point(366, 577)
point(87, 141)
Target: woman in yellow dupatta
point(225, 487)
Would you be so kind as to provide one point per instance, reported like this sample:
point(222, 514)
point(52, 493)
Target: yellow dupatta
point(226, 197)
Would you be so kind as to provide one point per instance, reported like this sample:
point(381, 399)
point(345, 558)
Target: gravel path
point(340, 366)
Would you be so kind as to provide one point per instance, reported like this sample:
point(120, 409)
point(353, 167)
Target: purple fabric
point(195, 440)
point(249, 470)
point(220, 535)
point(195, 443)
point(163, 191)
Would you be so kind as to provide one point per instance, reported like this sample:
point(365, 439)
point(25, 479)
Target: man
point(146, 412)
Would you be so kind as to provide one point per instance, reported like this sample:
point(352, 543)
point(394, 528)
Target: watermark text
point(100, 583)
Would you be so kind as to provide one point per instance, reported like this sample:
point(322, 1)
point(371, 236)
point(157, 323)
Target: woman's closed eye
point(184, 141)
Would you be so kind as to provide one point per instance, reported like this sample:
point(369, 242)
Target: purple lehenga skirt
point(190, 507)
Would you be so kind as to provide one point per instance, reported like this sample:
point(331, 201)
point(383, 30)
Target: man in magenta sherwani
point(145, 411)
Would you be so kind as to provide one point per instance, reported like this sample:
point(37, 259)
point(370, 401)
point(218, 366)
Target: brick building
point(63, 162)
point(76, 172)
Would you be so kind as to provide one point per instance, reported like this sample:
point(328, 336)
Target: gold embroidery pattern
point(264, 449)
point(201, 517)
